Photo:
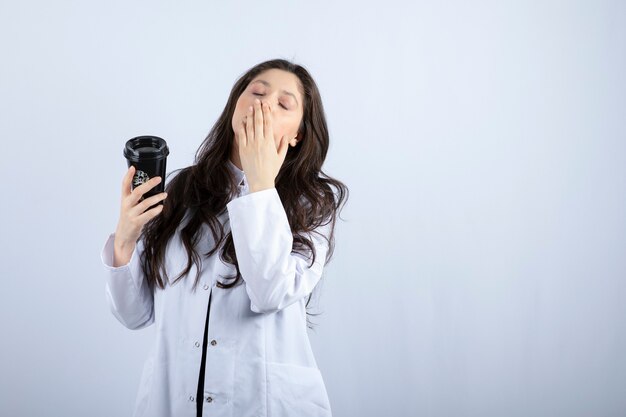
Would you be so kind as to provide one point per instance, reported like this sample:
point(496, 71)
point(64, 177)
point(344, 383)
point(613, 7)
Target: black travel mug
point(148, 154)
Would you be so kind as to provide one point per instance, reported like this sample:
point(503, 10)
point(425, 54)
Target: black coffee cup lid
point(145, 147)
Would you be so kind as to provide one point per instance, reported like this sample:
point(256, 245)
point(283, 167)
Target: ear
point(294, 141)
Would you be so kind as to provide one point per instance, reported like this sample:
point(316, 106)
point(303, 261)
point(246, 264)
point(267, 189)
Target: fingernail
point(257, 101)
point(249, 109)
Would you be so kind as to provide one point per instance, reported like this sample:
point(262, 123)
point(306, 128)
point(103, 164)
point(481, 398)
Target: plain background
point(480, 265)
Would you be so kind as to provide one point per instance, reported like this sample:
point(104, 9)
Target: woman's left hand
point(260, 157)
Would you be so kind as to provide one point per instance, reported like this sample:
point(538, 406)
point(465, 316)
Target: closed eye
point(257, 94)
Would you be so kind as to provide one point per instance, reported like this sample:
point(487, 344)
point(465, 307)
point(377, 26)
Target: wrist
point(259, 187)
point(122, 252)
point(123, 245)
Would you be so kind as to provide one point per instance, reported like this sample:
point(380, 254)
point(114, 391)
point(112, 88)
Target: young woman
point(247, 230)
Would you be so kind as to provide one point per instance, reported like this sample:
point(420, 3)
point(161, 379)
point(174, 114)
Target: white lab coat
point(259, 360)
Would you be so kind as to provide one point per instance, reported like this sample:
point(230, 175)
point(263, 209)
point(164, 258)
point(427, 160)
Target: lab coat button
point(209, 399)
point(191, 398)
point(206, 287)
point(197, 344)
point(213, 342)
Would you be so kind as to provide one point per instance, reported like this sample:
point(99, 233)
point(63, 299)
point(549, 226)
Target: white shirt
point(259, 360)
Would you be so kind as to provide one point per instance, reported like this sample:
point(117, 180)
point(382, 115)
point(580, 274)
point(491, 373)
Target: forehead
point(283, 81)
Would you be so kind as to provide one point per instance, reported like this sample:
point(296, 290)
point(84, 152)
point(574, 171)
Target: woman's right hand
point(132, 216)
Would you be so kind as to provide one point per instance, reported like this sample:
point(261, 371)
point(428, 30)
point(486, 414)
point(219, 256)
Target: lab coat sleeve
point(127, 291)
point(275, 278)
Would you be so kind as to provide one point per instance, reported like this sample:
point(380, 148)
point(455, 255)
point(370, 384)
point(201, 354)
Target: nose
point(271, 99)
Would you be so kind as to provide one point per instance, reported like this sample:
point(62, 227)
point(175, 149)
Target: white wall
point(480, 269)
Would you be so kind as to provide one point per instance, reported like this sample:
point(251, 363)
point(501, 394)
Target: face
point(280, 90)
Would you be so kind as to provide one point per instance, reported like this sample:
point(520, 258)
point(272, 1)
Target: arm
point(275, 278)
point(127, 291)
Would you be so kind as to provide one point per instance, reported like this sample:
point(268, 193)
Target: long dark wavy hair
point(202, 190)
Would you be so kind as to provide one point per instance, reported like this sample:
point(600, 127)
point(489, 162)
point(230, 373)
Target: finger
point(268, 128)
point(258, 120)
point(150, 214)
point(144, 188)
point(147, 203)
point(127, 180)
point(249, 127)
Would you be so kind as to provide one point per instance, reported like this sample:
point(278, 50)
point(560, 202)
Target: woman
point(247, 229)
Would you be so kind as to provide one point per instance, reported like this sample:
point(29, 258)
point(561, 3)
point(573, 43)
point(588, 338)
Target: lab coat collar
point(239, 174)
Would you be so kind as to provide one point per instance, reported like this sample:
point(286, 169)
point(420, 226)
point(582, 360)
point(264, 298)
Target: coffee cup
point(148, 154)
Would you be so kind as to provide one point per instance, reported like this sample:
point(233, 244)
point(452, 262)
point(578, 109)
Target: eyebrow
point(269, 85)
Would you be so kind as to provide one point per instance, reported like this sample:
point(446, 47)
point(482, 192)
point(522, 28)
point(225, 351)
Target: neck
point(234, 158)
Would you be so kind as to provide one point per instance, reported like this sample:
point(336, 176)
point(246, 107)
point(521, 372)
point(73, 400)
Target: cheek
point(241, 109)
point(242, 105)
point(283, 127)
point(279, 132)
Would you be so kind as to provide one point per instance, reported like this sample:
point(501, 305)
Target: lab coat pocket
point(145, 386)
point(295, 390)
